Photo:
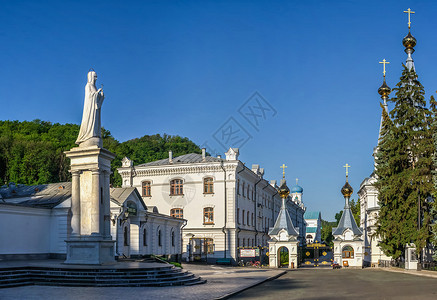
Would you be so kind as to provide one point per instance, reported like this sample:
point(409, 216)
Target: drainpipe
point(226, 204)
point(182, 239)
point(256, 203)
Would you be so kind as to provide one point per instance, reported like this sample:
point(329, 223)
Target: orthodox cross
point(384, 62)
point(297, 180)
point(283, 170)
point(409, 12)
point(347, 169)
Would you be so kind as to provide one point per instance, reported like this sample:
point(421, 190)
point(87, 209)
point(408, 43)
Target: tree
point(356, 211)
point(327, 236)
point(404, 164)
point(433, 204)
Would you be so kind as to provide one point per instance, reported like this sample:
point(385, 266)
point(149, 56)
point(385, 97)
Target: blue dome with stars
point(296, 189)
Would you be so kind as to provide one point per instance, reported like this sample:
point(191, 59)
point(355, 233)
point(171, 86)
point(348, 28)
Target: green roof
point(311, 215)
point(311, 229)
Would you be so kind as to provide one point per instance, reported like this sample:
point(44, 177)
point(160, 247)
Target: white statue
point(90, 128)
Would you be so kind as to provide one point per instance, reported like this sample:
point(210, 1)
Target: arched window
point(238, 216)
point(208, 185)
point(159, 238)
point(248, 194)
point(144, 237)
point(146, 188)
point(172, 238)
point(208, 215)
point(244, 186)
point(126, 236)
point(176, 187)
point(348, 252)
point(242, 216)
point(177, 213)
point(244, 242)
point(248, 221)
point(253, 221)
point(238, 186)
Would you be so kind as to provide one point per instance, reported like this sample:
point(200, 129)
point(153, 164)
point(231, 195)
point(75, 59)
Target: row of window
point(177, 187)
point(250, 218)
point(248, 191)
point(208, 214)
point(126, 237)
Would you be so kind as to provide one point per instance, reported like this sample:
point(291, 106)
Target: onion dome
point(409, 41)
point(283, 191)
point(347, 190)
point(384, 90)
point(297, 189)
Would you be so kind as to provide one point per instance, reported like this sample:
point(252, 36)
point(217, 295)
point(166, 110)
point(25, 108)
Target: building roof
point(296, 189)
point(42, 196)
point(183, 159)
point(347, 221)
point(311, 215)
point(311, 229)
point(283, 221)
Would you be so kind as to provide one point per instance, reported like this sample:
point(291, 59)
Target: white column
point(107, 206)
point(75, 203)
point(95, 203)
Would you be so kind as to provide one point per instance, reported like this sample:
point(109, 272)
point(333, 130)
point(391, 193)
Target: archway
point(347, 252)
point(283, 257)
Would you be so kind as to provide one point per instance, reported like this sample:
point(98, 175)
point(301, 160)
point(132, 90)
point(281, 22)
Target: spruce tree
point(433, 203)
point(404, 165)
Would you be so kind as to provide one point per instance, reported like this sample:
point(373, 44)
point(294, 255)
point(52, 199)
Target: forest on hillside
point(32, 152)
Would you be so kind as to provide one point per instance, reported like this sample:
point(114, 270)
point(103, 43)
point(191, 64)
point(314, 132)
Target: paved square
point(344, 284)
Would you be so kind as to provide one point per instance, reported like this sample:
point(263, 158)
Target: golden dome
point(409, 41)
point(384, 90)
point(347, 190)
point(283, 191)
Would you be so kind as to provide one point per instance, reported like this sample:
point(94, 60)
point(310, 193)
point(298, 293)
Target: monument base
point(90, 252)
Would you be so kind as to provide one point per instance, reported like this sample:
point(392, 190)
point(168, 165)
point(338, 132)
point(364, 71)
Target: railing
point(430, 266)
point(391, 263)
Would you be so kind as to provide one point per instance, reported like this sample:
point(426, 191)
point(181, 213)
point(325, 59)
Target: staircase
point(167, 275)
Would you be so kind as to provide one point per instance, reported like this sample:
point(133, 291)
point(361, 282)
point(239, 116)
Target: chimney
point(203, 154)
point(170, 156)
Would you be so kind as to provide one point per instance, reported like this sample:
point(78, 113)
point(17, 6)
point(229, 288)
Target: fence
point(430, 266)
point(391, 263)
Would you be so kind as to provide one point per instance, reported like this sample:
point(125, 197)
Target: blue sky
point(187, 68)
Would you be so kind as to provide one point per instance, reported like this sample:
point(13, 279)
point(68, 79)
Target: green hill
point(32, 152)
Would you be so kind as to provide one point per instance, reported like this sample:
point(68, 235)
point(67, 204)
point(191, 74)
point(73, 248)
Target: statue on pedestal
point(90, 128)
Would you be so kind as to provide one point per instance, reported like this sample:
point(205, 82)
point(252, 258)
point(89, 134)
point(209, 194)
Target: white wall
point(24, 230)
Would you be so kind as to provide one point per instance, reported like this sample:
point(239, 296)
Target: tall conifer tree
point(404, 165)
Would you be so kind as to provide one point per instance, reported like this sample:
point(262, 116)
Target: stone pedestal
point(90, 241)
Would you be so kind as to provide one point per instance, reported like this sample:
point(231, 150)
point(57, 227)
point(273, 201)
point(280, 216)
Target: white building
point(348, 238)
point(36, 220)
point(226, 204)
point(313, 221)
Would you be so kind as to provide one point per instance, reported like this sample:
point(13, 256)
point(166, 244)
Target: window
point(177, 213)
point(244, 240)
point(253, 221)
point(172, 238)
point(144, 237)
point(126, 236)
point(145, 187)
point(208, 185)
point(252, 243)
point(238, 186)
point(248, 189)
point(176, 187)
point(348, 252)
point(159, 238)
point(209, 244)
point(242, 217)
point(238, 215)
point(208, 215)
point(244, 186)
point(248, 221)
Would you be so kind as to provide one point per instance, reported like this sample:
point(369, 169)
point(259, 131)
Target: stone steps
point(163, 276)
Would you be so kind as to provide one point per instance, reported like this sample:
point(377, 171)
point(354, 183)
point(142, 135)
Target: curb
point(227, 296)
point(415, 273)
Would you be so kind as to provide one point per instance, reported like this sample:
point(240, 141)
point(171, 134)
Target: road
point(344, 284)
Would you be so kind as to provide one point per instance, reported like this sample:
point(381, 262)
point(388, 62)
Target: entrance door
point(316, 255)
point(283, 257)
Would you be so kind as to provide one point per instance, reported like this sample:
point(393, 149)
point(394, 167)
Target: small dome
point(409, 41)
point(283, 191)
point(347, 190)
point(384, 90)
point(297, 189)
